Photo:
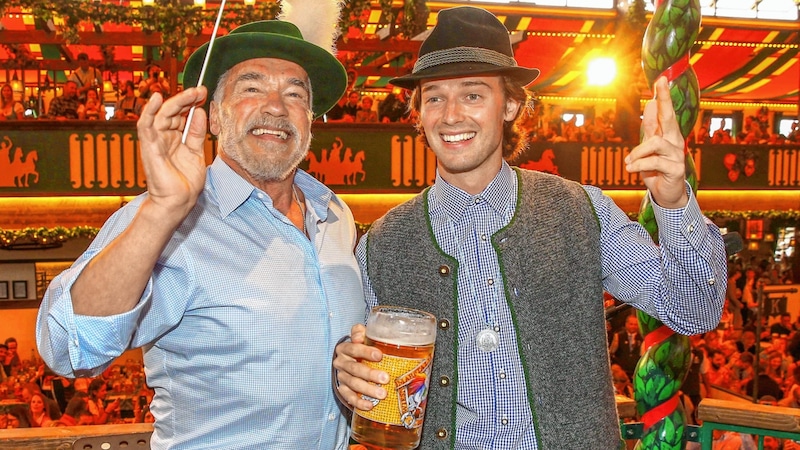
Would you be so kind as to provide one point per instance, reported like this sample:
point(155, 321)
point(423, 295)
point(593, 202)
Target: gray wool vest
point(550, 258)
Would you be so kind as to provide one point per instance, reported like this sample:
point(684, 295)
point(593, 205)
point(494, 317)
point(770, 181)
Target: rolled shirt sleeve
point(77, 345)
point(681, 281)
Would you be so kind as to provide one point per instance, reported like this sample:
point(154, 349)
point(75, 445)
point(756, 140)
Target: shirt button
point(444, 270)
point(712, 282)
point(330, 314)
point(690, 228)
point(490, 281)
point(331, 416)
point(504, 421)
point(477, 200)
point(483, 237)
point(502, 375)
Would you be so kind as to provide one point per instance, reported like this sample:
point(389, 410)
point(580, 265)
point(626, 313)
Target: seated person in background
point(28, 391)
point(718, 374)
point(18, 416)
point(40, 411)
point(622, 384)
point(81, 385)
point(771, 443)
point(365, 112)
point(129, 107)
point(93, 107)
point(350, 107)
point(394, 108)
point(154, 78)
point(337, 113)
point(67, 105)
point(11, 109)
point(782, 328)
point(76, 413)
point(96, 401)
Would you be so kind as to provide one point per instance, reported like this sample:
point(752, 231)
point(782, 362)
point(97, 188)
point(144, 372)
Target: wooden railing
point(758, 420)
point(90, 437)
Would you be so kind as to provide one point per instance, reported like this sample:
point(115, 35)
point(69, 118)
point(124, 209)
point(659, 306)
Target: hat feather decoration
point(318, 20)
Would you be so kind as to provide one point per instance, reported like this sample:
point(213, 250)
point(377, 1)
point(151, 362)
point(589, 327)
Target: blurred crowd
point(751, 354)
point(32, 396)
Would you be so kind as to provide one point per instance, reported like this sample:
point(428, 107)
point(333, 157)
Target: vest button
point(444, 381)
point(444, 324)
point(444, 270)
point(441, 433)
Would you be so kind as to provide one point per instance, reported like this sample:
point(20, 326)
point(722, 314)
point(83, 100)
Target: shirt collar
point(231, 190)
point(500, 194)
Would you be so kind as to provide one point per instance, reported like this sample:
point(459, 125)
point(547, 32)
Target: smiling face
point(463, 122)
point(70, 89)
point(262, 114)
point(37, 404)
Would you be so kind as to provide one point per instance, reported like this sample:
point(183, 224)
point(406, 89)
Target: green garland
point(176, 20)
point(44, 235)
point(789, 216)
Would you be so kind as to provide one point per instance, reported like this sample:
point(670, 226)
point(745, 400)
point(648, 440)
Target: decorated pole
point(663, 367)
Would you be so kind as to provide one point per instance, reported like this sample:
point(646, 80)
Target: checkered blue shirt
point(493, 409)
point(238, 321)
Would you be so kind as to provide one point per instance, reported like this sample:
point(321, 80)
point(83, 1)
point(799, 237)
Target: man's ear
point(213, 112)
point(512, 107)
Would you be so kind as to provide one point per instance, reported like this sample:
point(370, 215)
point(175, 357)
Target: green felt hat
point(270, 39)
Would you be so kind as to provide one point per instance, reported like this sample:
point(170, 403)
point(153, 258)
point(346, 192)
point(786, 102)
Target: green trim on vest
point(549, 256)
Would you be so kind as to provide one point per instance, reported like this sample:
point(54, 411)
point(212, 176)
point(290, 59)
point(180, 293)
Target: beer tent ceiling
point(740, 61)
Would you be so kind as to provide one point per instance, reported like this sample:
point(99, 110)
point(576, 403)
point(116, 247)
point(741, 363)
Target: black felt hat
point(270, 39)
point(466, 41)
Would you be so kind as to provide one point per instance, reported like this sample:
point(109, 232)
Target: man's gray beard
point(271, 166)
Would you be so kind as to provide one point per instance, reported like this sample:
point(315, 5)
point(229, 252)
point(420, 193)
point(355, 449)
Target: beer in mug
point(406, 337)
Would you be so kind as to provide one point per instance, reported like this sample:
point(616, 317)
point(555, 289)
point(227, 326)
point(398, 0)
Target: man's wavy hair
point(515, 137)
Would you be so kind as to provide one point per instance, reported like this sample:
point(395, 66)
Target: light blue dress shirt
point(681, 282)
point(238, 322)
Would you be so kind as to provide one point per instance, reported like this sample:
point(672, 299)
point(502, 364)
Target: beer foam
point(402, 327)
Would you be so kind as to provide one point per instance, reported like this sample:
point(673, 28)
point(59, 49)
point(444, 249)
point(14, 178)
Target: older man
point(237, 279)
point(514, 263)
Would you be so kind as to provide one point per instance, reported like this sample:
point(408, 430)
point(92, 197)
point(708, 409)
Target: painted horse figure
point(22, 169)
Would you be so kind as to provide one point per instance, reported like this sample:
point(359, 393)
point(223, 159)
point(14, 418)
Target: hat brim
point(523, 75)
point(327, 75)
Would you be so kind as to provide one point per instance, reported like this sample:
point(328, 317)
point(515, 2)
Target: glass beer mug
point(406, 337)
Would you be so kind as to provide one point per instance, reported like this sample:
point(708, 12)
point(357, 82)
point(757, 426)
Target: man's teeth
point(280, 134)
point(457, 137)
